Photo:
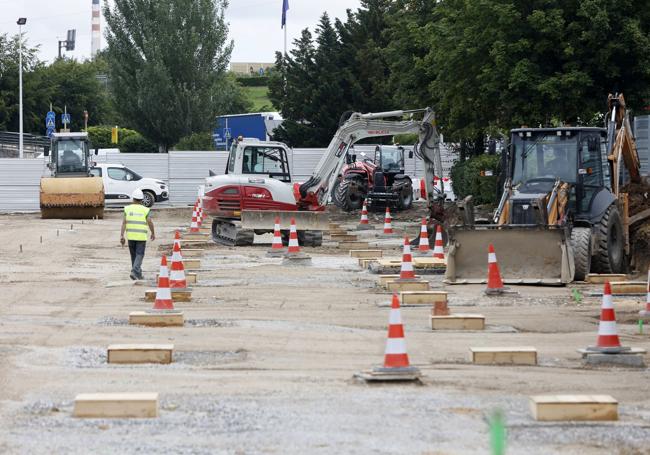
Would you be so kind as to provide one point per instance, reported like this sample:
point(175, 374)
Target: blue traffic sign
point(49, 123)
point(50, 116)
point(65, 118)
point(50, 131)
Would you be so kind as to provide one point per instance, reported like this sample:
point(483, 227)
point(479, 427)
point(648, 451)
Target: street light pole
point(21, 21)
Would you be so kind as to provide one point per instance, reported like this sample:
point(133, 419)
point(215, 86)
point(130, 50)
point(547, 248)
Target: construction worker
point(135, 223)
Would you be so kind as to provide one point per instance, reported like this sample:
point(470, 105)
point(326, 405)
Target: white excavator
point(257, 188)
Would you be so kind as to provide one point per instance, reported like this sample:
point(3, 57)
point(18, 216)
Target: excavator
point(562, 213)
point(70, 192)
point(257, 188)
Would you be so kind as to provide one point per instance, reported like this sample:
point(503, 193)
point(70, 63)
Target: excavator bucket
point(262, 219)
point(72, 198)
point(526, 254)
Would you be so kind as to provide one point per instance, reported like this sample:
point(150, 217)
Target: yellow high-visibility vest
point(136, 222)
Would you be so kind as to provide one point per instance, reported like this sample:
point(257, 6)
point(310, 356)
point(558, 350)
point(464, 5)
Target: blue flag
point(285, 7)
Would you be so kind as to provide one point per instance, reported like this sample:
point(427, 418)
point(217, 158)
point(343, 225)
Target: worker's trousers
point(136, 248)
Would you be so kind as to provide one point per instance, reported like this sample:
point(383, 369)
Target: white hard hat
point(137, 194)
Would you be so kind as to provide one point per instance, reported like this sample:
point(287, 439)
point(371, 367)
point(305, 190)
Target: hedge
point(469, 178)
point(253, 81)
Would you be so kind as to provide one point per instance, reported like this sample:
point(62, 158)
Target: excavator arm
point(316, 190)
point(620, 142)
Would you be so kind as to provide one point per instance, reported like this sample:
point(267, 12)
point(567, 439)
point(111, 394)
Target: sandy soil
point(265, 361)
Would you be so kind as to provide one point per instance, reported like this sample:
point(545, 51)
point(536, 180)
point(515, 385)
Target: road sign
point(50, 131)
point(49, 123)
point(50, 116)
point(65, 118)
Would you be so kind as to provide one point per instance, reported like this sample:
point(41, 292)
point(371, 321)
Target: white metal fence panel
point(642, 134)
point(188, 170)
point(20, 184)
point(302, 163)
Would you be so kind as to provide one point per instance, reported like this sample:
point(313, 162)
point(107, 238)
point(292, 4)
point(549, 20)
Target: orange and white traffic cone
point(293, 250)
point(608, 341)
point(194, 227)
point(438, 247)
point(395, 355)
point(177, 278)
point(646, 313)
point(406, 271)
point(277, 249)
point(199, 217)
point(494, 281)
point(363, 223)
point(423, 247)
point(388, 222)
point(163, 292)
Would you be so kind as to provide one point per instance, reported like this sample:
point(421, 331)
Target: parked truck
point(259, 125)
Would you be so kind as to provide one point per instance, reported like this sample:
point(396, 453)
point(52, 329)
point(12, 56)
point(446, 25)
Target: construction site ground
point(265, 361)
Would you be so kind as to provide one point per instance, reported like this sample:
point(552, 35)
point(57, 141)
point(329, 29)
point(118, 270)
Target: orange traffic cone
point(395, 355)
point(423, 247)
point(406, 271)
point(438, 248)
point(277, 249)
point(646, 312)
point(364, 214)
point(163, 293)
point(388, 222)
point(494, 282)
point(294, 247)
point(177, 278)
point(194, 227)
point(608, 341)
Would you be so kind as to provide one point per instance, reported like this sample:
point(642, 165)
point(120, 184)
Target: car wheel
point(149, 199)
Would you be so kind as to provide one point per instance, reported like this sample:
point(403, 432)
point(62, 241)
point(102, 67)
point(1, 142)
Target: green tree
point(167, 62)
point(196, 141)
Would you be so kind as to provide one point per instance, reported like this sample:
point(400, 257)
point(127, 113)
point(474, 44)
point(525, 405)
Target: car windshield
point(391, 159)
point(545, 156)
point(70, 155)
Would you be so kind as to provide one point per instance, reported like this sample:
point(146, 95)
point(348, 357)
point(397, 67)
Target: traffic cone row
point(423, 247)
point(163, 292)
point(388, 222)
point(194, 227)
point(177, 278)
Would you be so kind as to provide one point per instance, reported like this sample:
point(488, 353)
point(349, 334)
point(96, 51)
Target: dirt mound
point(639, 197)
point(639, 200)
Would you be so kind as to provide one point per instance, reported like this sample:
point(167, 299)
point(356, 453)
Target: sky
point(255, 25)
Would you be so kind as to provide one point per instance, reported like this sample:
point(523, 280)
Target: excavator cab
point(70, 191)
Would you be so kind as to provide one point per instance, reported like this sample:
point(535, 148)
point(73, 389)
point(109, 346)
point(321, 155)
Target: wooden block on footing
point(189, 277)
point(366, 254)
point(458, 322)
point(177, 296)
point(195, 236)
point(344, 237)
point(429, 263)
point(384, 279)
point(116, 405)
point(334, 226)
point(192, 252)
point(191, 264)
point(574, 407)
point(363, 263)
point(157, 318)
point(629, 287)
point(354, 245)
point(600, 278)
point(423, 297)
point(415, 285)
point(140, 353)
point(520, 355)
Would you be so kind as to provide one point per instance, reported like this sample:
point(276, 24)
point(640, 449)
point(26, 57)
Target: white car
point(120, 182)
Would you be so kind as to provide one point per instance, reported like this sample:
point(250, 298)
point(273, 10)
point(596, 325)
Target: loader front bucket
point(72, 198)
point(265, 219)
point(526, 254)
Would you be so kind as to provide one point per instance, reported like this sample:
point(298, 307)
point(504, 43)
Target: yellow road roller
point(70, 192)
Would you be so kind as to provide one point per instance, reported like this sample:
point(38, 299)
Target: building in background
point(95, 39)
point(251, 69)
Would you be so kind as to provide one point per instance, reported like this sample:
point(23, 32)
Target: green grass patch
point(259, 96)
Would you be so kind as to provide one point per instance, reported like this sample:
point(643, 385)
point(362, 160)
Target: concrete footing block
point(156, 318)
point(381, 374)
point(140, 353)
point(519, 355)
point(116, 405)
point(574, 407)
point(296, 259)
point(458, 322)
point(632, 357)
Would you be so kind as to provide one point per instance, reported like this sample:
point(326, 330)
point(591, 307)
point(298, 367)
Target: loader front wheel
point(581, 242)
point(610, 257)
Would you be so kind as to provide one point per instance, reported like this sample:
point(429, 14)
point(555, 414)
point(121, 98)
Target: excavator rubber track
point(230, 233)
point(72, 198)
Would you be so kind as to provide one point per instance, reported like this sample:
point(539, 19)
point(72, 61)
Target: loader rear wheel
point(351, 193)
point(581, 242)
point(610, 257)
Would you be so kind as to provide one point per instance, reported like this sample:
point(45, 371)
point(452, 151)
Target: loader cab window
point(70, 155)
point(271, 161)
point(231, 160)
point(591, 169)
point(390, 159)
point(543, 157)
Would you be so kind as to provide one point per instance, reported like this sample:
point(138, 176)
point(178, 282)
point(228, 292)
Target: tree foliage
point(167, 61)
